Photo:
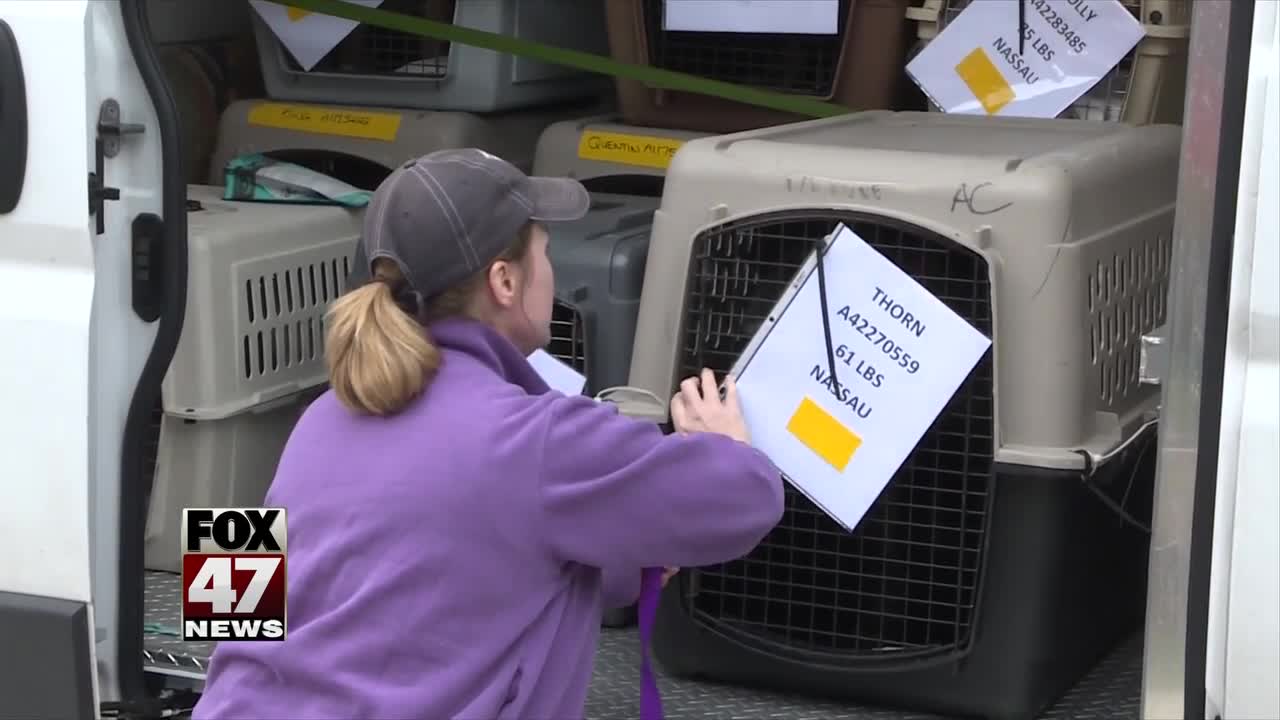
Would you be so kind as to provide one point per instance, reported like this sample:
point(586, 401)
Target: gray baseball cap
point(449, 214)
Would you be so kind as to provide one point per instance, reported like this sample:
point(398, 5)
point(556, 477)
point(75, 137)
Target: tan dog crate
point(251, 356)
point(988, 575)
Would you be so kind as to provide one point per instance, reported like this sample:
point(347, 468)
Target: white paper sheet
point(900, 355)
point(809, 17)
point(557, 374)
point(974, 65)
point(307, 36)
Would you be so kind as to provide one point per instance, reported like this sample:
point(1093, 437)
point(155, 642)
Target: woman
point(455, 528)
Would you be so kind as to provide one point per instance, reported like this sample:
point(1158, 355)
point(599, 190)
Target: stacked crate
point(251, 355)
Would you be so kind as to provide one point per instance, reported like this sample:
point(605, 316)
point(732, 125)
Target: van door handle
point(13, 121)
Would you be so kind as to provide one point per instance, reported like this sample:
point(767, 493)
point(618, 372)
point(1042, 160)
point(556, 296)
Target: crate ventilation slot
point(285, 313)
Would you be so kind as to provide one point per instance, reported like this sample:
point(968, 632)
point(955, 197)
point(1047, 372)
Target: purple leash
point(650, 590)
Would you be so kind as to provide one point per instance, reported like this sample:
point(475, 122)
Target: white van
point(93, 285)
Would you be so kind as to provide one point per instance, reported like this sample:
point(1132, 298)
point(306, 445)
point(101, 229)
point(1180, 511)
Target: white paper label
point(978, 65)
point(808, 17)
point(557, 374)
point(306, 35)
point(900, 355)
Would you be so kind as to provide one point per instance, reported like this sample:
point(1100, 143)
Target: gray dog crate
point(377, 66)
point(599, 265)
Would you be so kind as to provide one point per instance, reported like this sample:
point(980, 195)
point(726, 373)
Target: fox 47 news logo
point(233, 574)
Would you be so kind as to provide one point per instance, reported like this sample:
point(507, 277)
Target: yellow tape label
point(823, 434)
point(327, 121)
point(295, 14)
point(985, 81)
point(625, 149)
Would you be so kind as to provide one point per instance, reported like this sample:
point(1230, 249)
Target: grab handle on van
point(13, 121)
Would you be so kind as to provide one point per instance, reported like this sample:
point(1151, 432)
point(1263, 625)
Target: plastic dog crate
point(599, 265)
point(380, 67)
point(361, 145)
point(262, 276)
point(213, 463)
point(251, 353)
point(1149, 84)
point(608, 156)
point(987, 577)
point(860, 67)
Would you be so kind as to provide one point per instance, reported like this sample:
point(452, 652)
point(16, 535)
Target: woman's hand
point(667, 574)
point(698, 408)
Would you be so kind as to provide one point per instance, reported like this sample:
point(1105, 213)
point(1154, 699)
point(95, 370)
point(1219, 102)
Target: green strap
point(650, 76)
point(158, 629)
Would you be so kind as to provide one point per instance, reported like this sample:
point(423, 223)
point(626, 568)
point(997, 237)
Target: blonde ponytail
point(379, 357)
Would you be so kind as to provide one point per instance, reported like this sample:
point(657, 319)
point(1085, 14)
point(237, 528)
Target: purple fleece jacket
point(453, 561)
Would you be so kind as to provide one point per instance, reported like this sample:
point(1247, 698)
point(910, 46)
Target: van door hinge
point(110, 133)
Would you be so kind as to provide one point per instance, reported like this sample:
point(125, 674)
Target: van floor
point(1112, 690)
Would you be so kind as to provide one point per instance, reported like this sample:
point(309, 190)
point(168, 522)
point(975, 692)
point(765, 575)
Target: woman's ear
point(502, 283)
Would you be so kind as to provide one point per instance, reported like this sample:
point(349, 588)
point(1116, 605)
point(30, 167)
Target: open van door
point(92, 279)
point(1243, 635)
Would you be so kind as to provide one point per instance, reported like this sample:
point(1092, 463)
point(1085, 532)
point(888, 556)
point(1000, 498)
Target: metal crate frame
point(568, 336)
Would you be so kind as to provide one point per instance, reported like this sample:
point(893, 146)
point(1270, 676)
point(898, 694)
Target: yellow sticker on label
point(625, 149)
point(985, 81)
point(823, 434)
point(295, 14)
point(327, 121)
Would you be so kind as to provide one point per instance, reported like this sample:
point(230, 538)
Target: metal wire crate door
point(568, 336)
point(906, 581)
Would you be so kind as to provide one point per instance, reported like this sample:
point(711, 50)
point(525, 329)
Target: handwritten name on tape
point(626, 149)
point(365, 125)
